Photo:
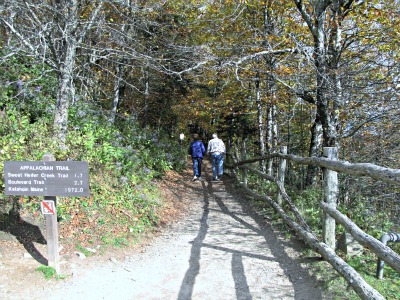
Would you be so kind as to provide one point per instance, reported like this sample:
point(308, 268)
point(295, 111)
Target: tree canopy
point(301, 73)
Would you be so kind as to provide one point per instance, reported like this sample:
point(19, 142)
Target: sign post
point(53, 259)
point(48, 178)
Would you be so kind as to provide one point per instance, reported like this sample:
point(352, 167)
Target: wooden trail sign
point(48, 178)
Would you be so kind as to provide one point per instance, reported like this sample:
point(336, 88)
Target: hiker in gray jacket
point(216, 148)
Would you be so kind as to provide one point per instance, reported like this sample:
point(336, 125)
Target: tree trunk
point(146, 96)
point(314, 151)
point(270, 29)
point(114, 107)
point(274, 122)
point(272, 132)
point(260, 123)
point(65, 90)
point(326, 94)
point(243, 155)
point(119, 90)
point(324, 97)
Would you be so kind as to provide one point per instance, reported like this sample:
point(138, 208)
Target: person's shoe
point(215, 178)
point(194, 178)
point(200, 179)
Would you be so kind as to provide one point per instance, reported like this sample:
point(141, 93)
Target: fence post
point(331, 189)
point(281, 174)
point(53, 259)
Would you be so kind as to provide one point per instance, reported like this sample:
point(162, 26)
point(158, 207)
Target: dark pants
point(197, 166)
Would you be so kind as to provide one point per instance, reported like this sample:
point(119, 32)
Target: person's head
point(195, 136)
point(214, 135)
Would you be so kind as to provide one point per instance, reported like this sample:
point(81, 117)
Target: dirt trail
point(220, 249)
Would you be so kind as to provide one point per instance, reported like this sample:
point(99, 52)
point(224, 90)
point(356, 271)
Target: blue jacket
point(197, 149)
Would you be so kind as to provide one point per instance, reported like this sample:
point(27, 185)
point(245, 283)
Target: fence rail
point(326, 248)
point(358, 169)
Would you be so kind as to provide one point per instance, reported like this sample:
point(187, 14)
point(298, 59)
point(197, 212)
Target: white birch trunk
point(260, 124)
point(65, 92)
point(117, 81)
point(269, 139)
point(146, 96)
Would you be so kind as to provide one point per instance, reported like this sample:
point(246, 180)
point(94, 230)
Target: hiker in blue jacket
point(197, 151)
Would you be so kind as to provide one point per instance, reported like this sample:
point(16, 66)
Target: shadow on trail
point(187, 285)
point(239, 277)
point(25, 232)
point(276, 246)
point(264, 230)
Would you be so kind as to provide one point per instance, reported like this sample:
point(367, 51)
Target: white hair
point(214, 135)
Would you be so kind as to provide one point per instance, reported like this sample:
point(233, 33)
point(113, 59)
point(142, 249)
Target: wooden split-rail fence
point(331, 216)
